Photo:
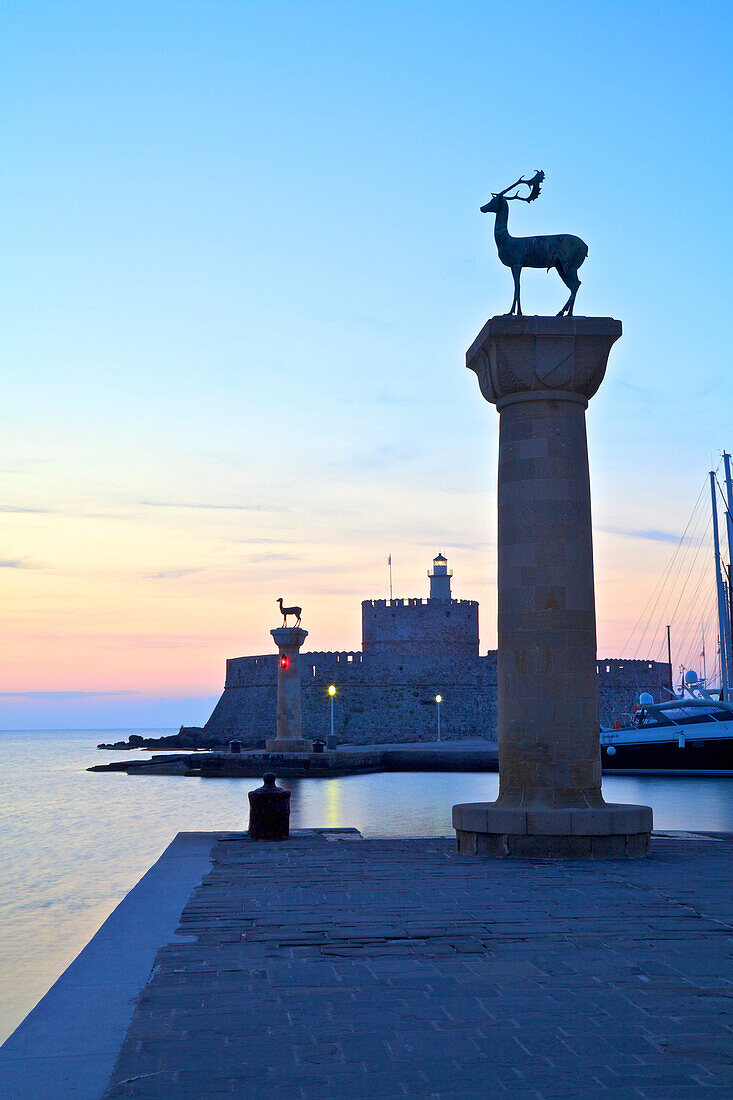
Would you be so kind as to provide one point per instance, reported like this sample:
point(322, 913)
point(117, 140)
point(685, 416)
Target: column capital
point(542, 356)
point(286, 636)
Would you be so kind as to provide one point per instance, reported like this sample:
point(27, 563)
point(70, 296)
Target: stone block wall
point(378, 699)
point(395, 626)
point(391, 698)
point(621, 682)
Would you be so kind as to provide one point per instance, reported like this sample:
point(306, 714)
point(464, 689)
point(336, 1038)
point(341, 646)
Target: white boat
point(692, 730)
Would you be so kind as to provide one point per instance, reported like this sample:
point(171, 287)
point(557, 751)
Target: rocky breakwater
point(352, 760)
point(188, 737)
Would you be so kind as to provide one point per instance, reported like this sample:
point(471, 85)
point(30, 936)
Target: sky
point(243, 259)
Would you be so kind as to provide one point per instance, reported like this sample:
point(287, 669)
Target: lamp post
point(332, 692)
point(438, 701)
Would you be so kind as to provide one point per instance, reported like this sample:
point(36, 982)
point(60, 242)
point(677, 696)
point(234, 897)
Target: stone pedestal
point(540, 373)
point(288, 640)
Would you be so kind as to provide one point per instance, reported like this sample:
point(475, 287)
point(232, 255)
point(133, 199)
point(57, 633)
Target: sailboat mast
point(704, 665)
point(722, 610)
point(729, 531)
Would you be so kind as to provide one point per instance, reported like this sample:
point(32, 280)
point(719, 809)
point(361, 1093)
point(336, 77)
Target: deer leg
point(572, 282)
point(575, 285)
point(516, 272)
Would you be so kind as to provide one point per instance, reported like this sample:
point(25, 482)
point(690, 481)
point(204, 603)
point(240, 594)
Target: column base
point(288, 744)
point(612, 831)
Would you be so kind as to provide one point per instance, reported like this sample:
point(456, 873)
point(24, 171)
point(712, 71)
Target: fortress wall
point(620, 683)
point(377, 699)
point(384, 697)
point(244, 671)
point(393, 626)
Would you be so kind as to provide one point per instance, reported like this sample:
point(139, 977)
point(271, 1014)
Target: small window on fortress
point(608, 668)
point(313, 667)
point(350, 658)
point(649, 665)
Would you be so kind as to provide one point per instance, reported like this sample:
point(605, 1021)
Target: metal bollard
point(235, 745)
point(319, 746)
point(269, 811)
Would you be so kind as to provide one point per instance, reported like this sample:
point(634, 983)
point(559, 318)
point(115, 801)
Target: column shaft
point(289, 723)
point(547, 680)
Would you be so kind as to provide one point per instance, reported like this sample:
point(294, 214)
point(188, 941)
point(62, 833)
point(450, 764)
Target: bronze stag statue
point(285, 611)
point(562, 251)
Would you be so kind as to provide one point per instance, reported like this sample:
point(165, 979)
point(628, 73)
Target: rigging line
point(689, 611)
point(723, 499)
point(692, 659)
point(678, 621)
point(695, 539)
point(706, 608)
point(662, 579)
point(689, 642)
point(694, 544)
point(665, 592)
point(684, 585)
point(682, 637)
point(683, 644)
point(709, 627)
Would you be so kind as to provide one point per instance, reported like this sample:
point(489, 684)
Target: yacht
point(691, 732)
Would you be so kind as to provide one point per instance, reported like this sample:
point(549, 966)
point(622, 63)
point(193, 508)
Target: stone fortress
point(412, 650)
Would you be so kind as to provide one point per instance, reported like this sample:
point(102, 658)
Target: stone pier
point(289, 640)
point(540, 372)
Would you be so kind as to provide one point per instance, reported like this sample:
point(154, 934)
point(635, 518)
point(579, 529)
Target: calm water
point(74, 842)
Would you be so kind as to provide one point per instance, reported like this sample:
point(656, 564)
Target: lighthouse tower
point(440, 579)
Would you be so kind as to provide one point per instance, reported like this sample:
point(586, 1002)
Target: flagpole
point(389, 562)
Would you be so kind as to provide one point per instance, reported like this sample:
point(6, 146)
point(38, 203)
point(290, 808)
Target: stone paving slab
point(67, 1046)
point(320, 969)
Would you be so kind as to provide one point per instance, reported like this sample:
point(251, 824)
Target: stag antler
point(534, 185)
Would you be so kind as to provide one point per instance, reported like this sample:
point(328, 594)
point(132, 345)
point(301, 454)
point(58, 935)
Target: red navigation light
point(284, 662)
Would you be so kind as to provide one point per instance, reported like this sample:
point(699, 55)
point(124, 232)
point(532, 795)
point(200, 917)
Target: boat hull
point(696, 755)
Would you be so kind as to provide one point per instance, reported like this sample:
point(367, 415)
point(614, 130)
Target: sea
point(74, 842)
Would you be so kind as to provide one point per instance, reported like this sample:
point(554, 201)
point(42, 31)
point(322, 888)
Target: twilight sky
point(243, 260)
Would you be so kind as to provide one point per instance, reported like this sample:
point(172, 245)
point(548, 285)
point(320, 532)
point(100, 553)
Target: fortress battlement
point(250, 671)
point(415, 627)
point(412, 649)
point(618, 664)
point(413, 601)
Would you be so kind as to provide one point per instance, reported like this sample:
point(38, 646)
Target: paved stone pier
point(333, 967)
point(540, 372)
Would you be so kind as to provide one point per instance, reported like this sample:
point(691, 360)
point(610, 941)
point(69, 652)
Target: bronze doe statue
point(285, 611)
point(562, 251)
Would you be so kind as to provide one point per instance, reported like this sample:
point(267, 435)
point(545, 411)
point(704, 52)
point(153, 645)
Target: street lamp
point(332, 692)
point(438, 701)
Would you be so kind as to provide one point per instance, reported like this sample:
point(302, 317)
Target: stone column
point(288, 640)
point(540, 373)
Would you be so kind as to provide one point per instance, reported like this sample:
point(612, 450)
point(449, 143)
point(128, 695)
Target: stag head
point(534, 184)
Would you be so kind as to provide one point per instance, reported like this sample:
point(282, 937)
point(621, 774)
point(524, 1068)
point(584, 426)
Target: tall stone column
point(288, 640)
point(540, 372)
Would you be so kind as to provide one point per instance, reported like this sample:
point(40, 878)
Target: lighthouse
point(440, 579)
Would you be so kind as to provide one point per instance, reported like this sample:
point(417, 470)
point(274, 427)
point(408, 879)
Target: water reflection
point(419, 803)
point(75, 842)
